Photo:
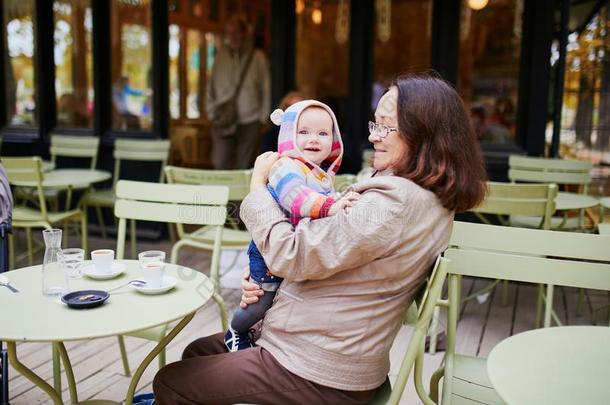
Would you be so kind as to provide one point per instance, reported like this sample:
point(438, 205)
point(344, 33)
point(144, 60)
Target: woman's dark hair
point(443, 154)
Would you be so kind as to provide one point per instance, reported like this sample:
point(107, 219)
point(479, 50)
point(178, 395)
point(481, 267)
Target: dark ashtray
point(85, 299)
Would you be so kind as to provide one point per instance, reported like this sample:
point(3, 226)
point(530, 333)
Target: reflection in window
point(73, 79)
point(20, 78)
point(174, 66)
point(131, 65)
point(490, 41)
point(585, 119)
point(401, 41)
point(193, 60)
point(212, 44)
point(321, 55)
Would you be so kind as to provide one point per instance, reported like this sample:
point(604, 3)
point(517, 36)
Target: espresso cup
point(152, 273)
point(102, 260)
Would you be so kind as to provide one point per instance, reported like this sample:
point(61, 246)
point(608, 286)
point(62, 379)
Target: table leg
point(157, 349)
point(30, 375)
point(61, 349)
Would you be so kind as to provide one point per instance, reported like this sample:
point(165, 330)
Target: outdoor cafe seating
point(485, 264)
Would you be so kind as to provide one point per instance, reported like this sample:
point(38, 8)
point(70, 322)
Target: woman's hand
point(262, 167)
point(348, 200)
point(250, 291)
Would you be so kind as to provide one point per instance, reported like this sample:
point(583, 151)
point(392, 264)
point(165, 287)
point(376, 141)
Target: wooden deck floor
point(99, 373)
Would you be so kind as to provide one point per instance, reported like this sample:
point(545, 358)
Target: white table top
point(574, 201)
point(605, 202)
point(560, 365)
point(30, 316)
point(63, 178)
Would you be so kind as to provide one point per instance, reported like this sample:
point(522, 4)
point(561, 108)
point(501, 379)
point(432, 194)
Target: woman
point(348, 278)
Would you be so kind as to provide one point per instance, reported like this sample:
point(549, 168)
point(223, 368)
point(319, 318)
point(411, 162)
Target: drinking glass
point(72, 260)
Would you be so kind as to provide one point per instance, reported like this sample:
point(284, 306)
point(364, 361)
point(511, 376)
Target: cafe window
point(402, 36)
point(322, 52)
point(131, 43)
point(73, 78)
point(20, 79)
point(490, 49)
point(585, 120)
point(194, 44)
point(174, 71)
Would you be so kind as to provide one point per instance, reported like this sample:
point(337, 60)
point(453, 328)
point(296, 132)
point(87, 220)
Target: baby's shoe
point(237, 341)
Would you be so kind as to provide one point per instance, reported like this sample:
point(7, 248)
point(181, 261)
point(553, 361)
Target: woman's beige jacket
point(347, 278)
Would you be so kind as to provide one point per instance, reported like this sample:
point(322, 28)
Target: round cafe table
point(574, 201)
point(69, 178)
point(28, 316)
point(560, 365)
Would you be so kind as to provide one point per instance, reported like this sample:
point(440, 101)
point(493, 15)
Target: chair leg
point(83, 232)
point(172, 233)
point(162, 360)
point(56, 369)
point(432, 332)
point(580, 302)
point(100, 220)
point(548, 308)
point(505, 292)
point(28, 233)
point(223, 311)
point(539, 302)
point(132, 231)
point(175, 252)
point(434, 383)
point(11, 251)
point(124, 357)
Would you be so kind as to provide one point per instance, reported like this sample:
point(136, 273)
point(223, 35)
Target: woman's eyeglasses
point(380, 130)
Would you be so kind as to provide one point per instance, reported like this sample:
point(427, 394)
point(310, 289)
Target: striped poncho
point(302, 188)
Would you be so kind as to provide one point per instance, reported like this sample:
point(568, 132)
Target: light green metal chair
point(142, 150)
point(82, 147)
point(513, 200)
point(171, 203)
point(22, 170)
point(233, 238)
point(418, 316)
point(75, 146)
point(516, 254)
point(558, 171)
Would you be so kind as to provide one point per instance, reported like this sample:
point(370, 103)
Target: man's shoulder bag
point(225, 114)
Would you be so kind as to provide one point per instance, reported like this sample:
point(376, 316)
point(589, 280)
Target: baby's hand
point(347, 200)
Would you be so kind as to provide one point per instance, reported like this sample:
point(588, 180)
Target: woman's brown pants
point(208, 374)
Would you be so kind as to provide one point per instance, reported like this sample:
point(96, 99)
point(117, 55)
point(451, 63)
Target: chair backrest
point(27, 169)
point(238, 181)
point(519, 199)
point(544, 170)
point(146, 150)
point(171, 203)
point(75, 146)
point(420, 323)
point(523, 255)
point(343, 181)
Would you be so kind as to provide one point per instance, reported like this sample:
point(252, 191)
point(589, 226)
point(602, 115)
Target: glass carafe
point(54, 278)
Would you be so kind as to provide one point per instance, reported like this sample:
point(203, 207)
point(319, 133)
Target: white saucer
point(168, 283)
point(116, 269)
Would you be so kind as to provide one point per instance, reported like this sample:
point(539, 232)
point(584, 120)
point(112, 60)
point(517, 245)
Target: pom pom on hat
point(276, 116)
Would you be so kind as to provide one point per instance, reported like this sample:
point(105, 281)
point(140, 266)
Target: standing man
point(238, 99)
